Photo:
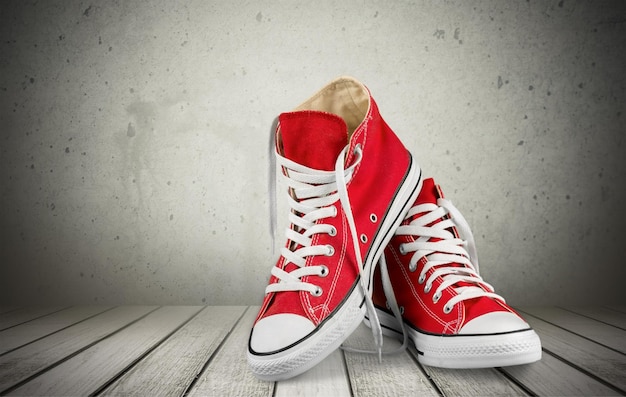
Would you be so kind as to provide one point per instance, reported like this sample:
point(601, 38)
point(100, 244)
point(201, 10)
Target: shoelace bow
point(315, 191)
point(452, 258)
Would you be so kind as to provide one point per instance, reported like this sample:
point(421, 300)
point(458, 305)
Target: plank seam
point(73, 354)
point(144, 355)
point(36, 318)
point(573, 333)
point(413, 355)
point(54, 332)
point(345, 367)
point(591, 318)
point(517, 383)
point(613, 309)
point(585, 371)
point(212, 356)
point(12, 310)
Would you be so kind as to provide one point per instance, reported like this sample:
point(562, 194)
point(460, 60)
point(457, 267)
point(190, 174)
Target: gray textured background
point(133, 147)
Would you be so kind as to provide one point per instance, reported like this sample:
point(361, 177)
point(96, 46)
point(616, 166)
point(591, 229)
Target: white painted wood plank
point(472, 382)
point(172, 366)
point(89, 370)
point(605, 334)
point(15, 317)
point(596, 359)
point(227, 373)
point(553, 377)
point(30, 331)
point(397, 375)
point(27, 361)
point(608, 316)
point(328, 378)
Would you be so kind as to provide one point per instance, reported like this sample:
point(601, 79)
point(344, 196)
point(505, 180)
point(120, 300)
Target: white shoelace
point(445, 252)
point(315, 192)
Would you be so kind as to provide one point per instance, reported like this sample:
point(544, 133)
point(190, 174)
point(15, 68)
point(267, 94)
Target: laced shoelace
point(315, 192)
point(446, 254)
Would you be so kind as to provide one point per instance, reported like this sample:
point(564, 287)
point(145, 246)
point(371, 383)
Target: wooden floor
point(200, 351)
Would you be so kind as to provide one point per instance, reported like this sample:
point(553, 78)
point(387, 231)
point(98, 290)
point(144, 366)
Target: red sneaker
point(351, 182)
point(454, 318)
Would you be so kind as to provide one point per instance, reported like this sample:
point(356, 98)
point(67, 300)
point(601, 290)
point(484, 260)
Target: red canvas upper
point(419, 309)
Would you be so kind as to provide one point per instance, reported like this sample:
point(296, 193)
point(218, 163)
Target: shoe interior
point(345, 97)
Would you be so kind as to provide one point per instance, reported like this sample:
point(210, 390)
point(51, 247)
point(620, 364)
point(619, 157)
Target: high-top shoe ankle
point(351, 182)
point(454, 318)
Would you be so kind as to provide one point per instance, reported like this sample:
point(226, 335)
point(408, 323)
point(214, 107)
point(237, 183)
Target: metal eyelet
point(427, 288)
point(401, 309)
point(324, 271)
point(332, 232)
point(412, 268)
point(363, 238)
point(421, 279)
point(447, 309)
point(436, 297)
point(317, 291)
point(373, 218)
point(331, 250)
point(402, 249)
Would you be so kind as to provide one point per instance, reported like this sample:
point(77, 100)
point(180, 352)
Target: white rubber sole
point(329, 335)
point(318, 345)
point(468, 351)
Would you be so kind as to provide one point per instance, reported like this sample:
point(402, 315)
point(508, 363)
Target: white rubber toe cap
point(494, 322)
point(279, 331)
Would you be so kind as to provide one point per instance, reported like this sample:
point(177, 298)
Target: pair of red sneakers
point(368, 237)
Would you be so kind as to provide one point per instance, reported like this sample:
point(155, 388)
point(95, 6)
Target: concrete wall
point(134, 137)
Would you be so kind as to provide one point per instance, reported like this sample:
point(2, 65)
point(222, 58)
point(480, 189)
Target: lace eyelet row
point(317, 292)
point(436, 297)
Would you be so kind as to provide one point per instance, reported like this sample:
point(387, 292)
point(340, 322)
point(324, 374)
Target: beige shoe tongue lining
point(344, 97)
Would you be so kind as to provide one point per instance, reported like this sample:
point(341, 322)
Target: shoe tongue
point(430, 192)
point(312, 138)
point(428, 195)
